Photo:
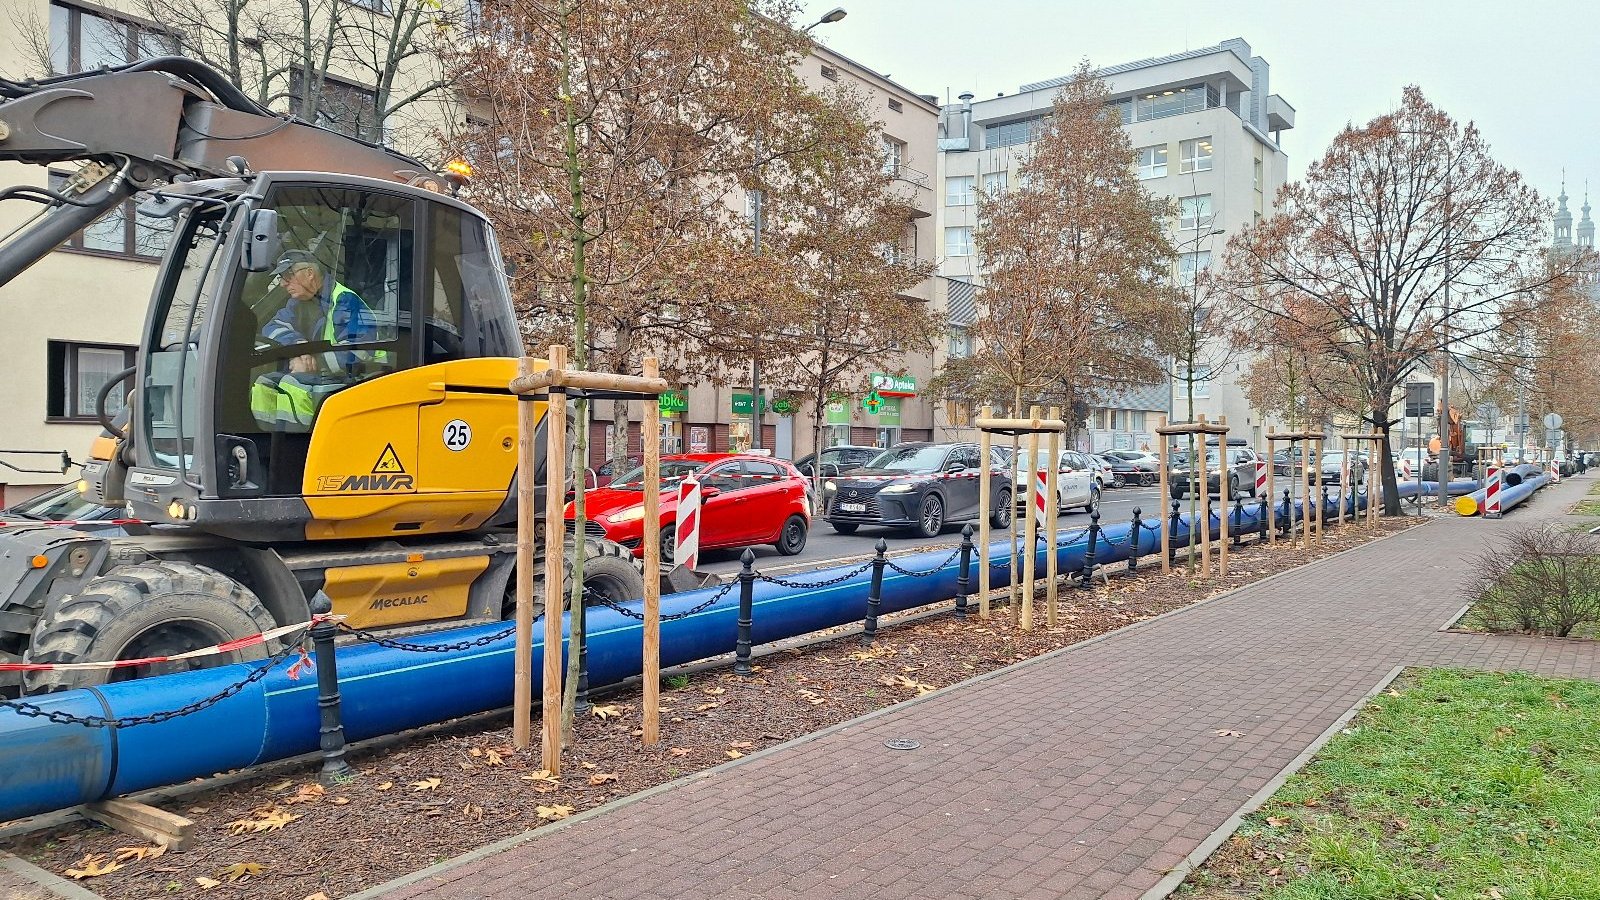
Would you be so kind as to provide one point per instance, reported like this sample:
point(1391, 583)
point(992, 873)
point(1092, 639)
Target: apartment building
point(1205, 125)
point(712, 418)
point(73, 320)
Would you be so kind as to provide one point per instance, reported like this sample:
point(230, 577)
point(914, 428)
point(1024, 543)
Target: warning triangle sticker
point(387, 461)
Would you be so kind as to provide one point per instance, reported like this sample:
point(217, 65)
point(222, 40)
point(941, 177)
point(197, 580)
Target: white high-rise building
point(1206, 130)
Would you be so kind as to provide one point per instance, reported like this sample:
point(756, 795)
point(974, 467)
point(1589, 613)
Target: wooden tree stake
point(1053, 517)
point(527, 522)
point(651, 438)
point(1030, 528)
point(555, 539)
point(985, 452)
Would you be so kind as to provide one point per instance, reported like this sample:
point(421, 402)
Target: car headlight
point(898, 489)
point(628, 515)
point(829, 486)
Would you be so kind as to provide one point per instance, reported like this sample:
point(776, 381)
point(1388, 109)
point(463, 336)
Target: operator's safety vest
point(288, 401)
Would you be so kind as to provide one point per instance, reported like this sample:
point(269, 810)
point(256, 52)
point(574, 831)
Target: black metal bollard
point(875, 596)
point(1286, 521)
point(1133, 540)
point(1237, 525)
point(330, 733)
point(1086, 577)
point(1173, 529)
point(1322, 511)
point(1261, 515)
point(747, 595)
point(963, 583)
point(580, 617)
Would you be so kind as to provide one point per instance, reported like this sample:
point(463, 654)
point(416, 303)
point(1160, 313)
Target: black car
point(66, 507)
point(1132, 467)
point(840, 458)
point(1241, 471)
point(917, 486)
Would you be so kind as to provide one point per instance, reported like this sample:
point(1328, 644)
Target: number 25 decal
point(457, 435)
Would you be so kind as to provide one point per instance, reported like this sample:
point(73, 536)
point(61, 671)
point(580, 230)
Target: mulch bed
point(443, 793)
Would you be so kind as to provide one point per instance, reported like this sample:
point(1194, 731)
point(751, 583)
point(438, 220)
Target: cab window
point(468, 314)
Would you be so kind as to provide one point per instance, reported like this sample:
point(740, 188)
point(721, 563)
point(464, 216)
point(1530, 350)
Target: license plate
point(853, 507)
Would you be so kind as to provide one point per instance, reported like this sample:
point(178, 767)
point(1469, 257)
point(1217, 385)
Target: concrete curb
point(44, 879)
point(1176, 875)
point(526, 836)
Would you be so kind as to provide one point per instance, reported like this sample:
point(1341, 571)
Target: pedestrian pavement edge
point(516, 840)
point(44, 879)
point(1176, 875)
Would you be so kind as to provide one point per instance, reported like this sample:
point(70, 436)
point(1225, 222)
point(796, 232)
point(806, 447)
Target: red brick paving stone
point(1086, 774)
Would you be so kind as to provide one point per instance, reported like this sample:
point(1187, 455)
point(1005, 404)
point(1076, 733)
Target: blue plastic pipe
point(1431, 488)
point(1472, 504)
point(49, 766)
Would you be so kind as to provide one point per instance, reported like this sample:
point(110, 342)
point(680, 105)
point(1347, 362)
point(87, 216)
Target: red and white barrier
point(1261, 478)
point(1491, 493)
point(1040, 503)
point(254, 640)
point(686, 551)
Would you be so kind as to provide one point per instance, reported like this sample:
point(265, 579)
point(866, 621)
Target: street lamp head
point(1217, 231)
point(832, 16)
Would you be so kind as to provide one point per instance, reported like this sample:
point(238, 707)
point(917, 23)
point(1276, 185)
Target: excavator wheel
point(139, 611)
point(609, 569)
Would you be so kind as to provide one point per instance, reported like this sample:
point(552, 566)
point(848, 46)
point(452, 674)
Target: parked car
point(746, 500)
point(1241, 472)
point(603, 476)
point(1290, 460)
point(918, 486)
point(1103, 475)
point(1332, 467)
point(1076, 486)
point(1133, 467)
point(841, 458)
point(66, 507)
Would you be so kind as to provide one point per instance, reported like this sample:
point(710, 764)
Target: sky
point(1525, 72)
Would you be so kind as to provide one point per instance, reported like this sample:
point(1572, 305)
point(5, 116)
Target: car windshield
point(916, 460)
point(1025, 460)
point(672, 472)
point(61, 505)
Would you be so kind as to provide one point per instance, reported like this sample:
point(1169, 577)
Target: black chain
point(61, 717)
point(817, 584)
point(933, 571)
point(638, 615)
point(393, 644)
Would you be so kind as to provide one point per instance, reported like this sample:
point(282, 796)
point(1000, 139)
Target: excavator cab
point(318, 354)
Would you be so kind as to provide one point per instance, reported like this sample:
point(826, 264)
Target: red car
point(745, 500)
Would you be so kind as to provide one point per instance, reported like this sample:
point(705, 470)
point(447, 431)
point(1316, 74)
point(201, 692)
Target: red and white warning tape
point(216, 649)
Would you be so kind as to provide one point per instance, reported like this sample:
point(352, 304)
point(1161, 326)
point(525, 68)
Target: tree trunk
point(580, 239)
point(1384, 400)
point(619, 438)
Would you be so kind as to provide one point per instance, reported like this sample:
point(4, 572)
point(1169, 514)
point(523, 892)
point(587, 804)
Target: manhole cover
point(902, 744)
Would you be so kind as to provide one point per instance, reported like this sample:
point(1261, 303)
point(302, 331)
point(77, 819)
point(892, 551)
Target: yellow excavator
point(320, 396)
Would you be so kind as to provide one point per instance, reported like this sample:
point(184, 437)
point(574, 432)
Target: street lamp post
point(757, 413)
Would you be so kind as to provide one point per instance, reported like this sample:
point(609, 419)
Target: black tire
point(1117, 481)
point(930, 517)
point(792, 539)
point(1148, 479)
point(1001, 516)
point(609, 569)
point(1178, 493)
point(845, 527)
point(150, 609)
point(669, 545)
point(1093, 505)
point(1233, 487)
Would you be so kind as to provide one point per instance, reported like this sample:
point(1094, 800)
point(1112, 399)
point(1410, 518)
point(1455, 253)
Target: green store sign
point(674, 403)
point(744, 404)
point(892, 385)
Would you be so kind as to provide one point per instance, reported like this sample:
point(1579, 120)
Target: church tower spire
point(1586, 224)
point(1563, 235)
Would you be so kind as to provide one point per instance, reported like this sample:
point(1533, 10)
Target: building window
point(381, 7)
point(1153, 161)
point(1194, 212)
point(120, 232)
point(994, 184)
point(82, 41)
point(896, 106)
point(77, 372)
point(1258, 175)
point(830, 73)
point(342, 106)
point(1012, 133)
point(1194, 156)
point(1201, 382)
point(893, 154)
point(960, 342)
point(958, 241)
point(958, 190)
point(1192, 264)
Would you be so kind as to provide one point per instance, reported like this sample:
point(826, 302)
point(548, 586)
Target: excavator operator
point(319, 310)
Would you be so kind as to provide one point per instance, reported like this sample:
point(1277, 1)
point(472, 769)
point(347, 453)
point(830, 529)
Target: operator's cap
point(291, 258)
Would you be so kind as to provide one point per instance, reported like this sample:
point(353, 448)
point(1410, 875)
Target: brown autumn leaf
point(205, 883)
point(92, 865)
point(426, 784)
point(339, 801)
point(680, 751)
point(243, 871)
point(719, 691)
point(493, 757)
point(741, 745)
point(283, 785)
point(1274, 821)
point(475, 752)
point(600, 778)
point(127, 854)
point(472, 812)
point(385, 786)
point(706, 707)
point(734, 754)
point(606, 712)
point(319, 895)
point(1401, 824)
point(306, 794)
point(552, 813)
point(266, 819)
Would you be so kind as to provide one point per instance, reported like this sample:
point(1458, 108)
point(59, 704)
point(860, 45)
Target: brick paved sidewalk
point(1089, 773)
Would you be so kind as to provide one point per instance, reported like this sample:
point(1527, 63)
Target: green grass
point(1587, 508)
point(1454, 785)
